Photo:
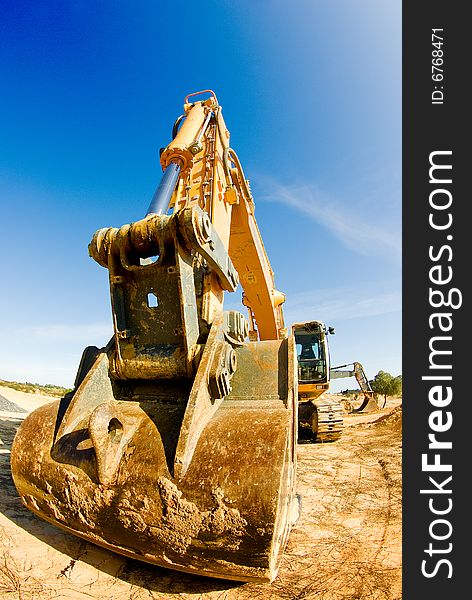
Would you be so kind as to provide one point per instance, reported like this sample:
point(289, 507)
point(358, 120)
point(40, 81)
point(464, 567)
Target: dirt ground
point(345, 546)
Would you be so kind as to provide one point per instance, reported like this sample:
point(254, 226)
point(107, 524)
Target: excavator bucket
point(368, 404)
point(177, 444)
point(160, 473)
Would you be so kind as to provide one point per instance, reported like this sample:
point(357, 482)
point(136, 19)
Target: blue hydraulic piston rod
point(164, 191)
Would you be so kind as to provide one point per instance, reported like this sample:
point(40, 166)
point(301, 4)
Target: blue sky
point(311, 93)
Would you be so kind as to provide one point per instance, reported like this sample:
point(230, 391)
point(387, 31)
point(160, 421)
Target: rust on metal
point(123, 474)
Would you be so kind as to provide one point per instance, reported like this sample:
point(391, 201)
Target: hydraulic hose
point(175, 128)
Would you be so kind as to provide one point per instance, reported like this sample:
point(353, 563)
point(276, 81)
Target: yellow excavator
point(320, 414)
point(177, 445)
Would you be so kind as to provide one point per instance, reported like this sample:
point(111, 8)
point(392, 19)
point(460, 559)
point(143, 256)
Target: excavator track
point(329, 420)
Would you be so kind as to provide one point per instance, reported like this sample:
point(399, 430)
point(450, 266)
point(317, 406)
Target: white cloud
point(353, 229)
point(346, 302)
point(335, 304)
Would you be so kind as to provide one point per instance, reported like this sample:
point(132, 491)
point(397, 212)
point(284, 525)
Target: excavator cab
point(311, 355)
point(177, 445)
point(313, 358)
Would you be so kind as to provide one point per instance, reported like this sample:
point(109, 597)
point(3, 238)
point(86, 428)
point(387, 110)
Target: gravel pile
point(9, 406)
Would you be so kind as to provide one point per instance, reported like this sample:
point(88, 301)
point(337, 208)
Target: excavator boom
point(177, 444)
point(357, 371)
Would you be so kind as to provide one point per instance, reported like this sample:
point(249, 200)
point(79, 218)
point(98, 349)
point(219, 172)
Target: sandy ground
point(346, 545)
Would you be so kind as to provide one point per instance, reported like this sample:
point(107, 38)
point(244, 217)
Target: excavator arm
point(177, 445)
point(212, 177)
point(247, 251)
point(358, 372)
